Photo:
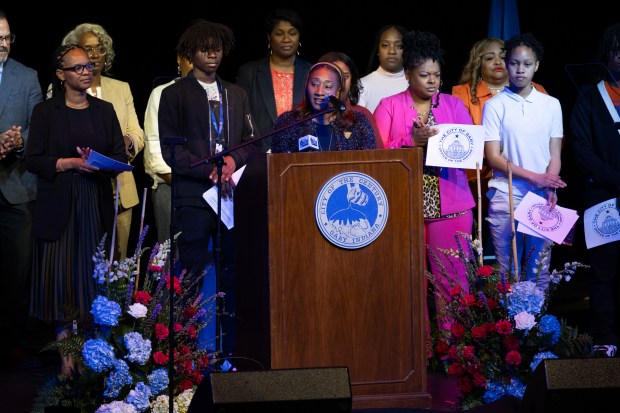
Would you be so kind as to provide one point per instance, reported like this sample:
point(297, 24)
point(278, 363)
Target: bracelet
point(60, 165)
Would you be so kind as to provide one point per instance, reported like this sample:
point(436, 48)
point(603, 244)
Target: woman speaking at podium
point(305, 129)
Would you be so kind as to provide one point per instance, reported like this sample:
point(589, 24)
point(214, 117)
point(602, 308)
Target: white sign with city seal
point(351, 210)
point(602, 223)
point(456, 146)
point(535, 217)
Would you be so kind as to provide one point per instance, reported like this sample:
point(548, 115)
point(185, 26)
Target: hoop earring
point(178, 69)
point(299, 49)
point(269, 47)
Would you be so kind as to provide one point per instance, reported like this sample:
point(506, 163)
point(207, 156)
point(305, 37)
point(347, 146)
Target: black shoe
point(604, 350)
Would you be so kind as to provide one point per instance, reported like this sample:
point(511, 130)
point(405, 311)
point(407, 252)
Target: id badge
point(218, 148)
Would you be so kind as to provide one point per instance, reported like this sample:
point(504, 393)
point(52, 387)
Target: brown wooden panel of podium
point(304, 302)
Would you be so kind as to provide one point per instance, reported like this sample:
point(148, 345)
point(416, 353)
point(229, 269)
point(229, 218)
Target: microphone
point(309, 143)
point(337, 103)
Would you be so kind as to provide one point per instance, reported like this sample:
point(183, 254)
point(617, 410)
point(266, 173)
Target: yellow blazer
point(119, 94)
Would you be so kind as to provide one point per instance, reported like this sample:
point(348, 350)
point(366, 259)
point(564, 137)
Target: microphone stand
point(172, 142)
point(218, 161)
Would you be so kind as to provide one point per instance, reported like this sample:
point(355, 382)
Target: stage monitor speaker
point(586, 385)
point(312, 390)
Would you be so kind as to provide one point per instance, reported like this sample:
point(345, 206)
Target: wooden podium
point(304, 302)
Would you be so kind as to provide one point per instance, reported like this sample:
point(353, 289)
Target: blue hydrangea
point(139, 348)
point(549, 328)
point(540, 357)
point(158, 380)
point(105, 312)
point(525, 296)
point(516, 388)
point(494, 392)
point(118, 378)
point(139, 397)
point(98, 355)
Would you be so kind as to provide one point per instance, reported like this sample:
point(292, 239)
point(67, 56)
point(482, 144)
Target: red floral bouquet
point(499, 330)
point(122, 359)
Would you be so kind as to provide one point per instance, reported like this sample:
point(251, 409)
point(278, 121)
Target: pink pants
point(442, 233)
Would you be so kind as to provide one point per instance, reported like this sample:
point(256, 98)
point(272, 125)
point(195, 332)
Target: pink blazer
point(394, 117)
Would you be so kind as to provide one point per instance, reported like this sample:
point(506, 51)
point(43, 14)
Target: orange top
point(283, 90)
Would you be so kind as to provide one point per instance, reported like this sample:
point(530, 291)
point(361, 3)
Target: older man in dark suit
point(20, 91)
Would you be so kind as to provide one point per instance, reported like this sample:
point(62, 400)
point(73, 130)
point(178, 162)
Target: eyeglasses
point(99, 49)
point(79, 69)
point(9, 38)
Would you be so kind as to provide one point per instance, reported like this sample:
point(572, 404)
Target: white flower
point(524, 321)
point(137, 310)
point(116, 407)
point(184, 399)
point(161, 405)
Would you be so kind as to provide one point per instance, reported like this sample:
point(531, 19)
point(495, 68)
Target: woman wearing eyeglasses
point(74, 207)
point(99, 46)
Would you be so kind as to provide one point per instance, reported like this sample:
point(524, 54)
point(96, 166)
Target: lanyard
point(219, 126)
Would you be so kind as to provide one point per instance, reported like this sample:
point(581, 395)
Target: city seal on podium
point(351, 210)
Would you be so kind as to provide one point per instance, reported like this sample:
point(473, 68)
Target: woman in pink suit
point(408, 119)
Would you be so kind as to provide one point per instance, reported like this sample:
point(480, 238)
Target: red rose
point(479, 380)
point(161, 331)
point(490, 327)
point(513, 358)
point(203, 361)
point(193, 333)
point(479, 333)
point(511, 342)
point(184, 366)
point(184, 350)
point(503, 287)
point(458, 330)
point(177, 327)
point(492, 303)
point(441, 347)
point(196, 377)
point(464, 385)
point(468, 352)
point(142, 297)
point(503, 327)
point(469, 300)
point(455, 290)
point(189, 312)
point(473, 368)
point(455, 369)
point(176, 284)
point(453, 353)
point(184, 385)
point(485, 271)
point(160, 358)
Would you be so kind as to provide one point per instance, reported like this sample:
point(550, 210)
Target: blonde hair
point(472, 73)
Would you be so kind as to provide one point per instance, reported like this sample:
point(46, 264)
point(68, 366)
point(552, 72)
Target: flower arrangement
point(122, 359)
point(499, 329)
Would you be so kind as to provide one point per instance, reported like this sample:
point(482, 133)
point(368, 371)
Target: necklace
point(76, 105)
point(495, 89)
point(421, 114)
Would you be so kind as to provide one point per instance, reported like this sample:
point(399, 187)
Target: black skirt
point(63, 287)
